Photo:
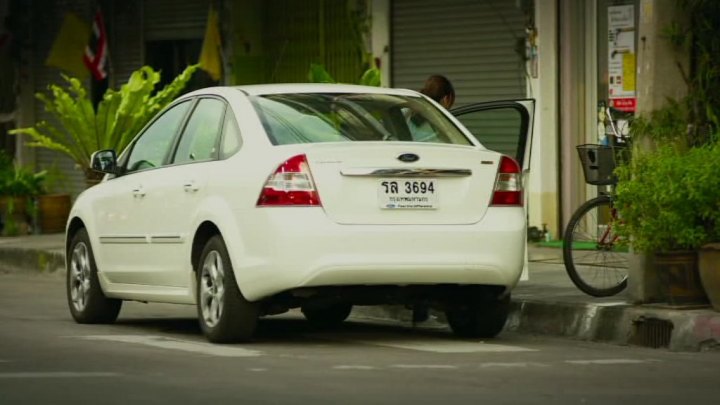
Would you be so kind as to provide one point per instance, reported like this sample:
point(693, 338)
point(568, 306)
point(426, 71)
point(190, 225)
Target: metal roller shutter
point(126, 40)
point(172, 19)
point(472, 42)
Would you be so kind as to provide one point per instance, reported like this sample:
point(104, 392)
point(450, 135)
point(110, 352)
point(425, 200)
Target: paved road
point(156, 354)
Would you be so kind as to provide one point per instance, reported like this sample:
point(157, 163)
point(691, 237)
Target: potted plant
point(709, 269)
point(18, 187)
point(667, 200)
point(78, 129)
point(53, 207)
point(694, 33)
point(705, 189)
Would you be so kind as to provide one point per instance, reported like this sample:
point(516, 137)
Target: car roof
point(285, 88)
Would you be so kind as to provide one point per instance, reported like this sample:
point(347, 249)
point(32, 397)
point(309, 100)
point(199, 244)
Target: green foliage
point(10, 225)
point(703, 188)
point(669, 194)
point(695, 33)
point(669, 199)
point(17, 181)
point(22, 182)
point(667, 125)
point(371, 77)
point(6, 162)
point(318, 74)
point(78, 130)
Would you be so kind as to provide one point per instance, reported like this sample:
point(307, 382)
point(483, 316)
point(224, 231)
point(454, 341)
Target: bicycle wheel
point(596, 259)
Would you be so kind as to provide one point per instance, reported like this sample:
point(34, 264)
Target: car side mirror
point(104, 161)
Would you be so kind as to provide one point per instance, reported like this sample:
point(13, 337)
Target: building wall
point(577, 103)
point(244, 42)
point(380, 37)
point(49, 14)
point(479, 46)
point(126, 42)
point(129, 24)
point(659, 77)
point(8, 75)
point(276, 42)
point(543, 187)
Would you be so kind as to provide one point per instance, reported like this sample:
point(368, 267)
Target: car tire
point(88, 304)
point(225, 316)
point(328, 316)
point(479, 319)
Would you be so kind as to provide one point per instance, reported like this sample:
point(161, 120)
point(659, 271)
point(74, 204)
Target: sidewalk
point(547, 304)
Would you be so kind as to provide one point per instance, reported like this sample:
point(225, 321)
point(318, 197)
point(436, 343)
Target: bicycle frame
point(602, 242)
point(602, 273)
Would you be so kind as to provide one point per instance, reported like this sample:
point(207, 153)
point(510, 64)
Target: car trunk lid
point(402, 183)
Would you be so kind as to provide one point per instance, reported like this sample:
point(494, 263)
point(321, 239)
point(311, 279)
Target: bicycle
point(595, 257)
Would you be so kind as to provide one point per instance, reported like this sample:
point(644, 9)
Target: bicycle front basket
point(598, 162)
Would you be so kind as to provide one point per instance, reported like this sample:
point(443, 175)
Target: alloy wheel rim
point(80, 276)
point(212, 288)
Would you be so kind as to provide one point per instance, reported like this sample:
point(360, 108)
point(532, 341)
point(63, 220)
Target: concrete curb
point(686, 330)
point(645, 325)
point(35, 260)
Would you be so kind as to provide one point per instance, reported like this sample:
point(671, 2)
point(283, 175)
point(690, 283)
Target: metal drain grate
point(652, 332)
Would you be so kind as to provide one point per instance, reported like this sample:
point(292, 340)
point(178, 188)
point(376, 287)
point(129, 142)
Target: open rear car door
point(503, 126)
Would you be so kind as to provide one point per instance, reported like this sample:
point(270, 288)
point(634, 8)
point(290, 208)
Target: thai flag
point(95, 57)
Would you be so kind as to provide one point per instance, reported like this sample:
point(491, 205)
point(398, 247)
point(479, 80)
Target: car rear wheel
point(87, 302)
point(479, 319)
point(225, 315)
point(328, 316)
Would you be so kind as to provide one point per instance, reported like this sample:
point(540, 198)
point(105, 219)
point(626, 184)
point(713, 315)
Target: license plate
point(408, 194)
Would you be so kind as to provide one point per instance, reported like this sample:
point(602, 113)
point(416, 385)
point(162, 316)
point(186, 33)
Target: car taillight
point(508, 184)
point(291, 184)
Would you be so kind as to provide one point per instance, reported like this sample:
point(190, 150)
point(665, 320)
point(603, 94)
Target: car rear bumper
point(299, 247)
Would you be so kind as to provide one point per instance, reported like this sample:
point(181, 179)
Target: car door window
point(499, 129)
point(150, 150)
point(200, 138)
point(231, 139)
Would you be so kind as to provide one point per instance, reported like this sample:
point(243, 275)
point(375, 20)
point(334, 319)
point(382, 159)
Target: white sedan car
point(250, 201)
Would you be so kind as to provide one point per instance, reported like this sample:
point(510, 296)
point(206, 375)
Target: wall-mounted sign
point(621, 57)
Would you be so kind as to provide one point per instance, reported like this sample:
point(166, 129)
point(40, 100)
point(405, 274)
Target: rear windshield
point(319, 117)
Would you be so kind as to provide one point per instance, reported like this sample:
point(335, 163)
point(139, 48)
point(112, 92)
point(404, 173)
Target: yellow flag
point(210, 58)
point(69, 46)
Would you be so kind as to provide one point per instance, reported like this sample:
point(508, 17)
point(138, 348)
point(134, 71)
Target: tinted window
point(313, 118)
point(154, 144)
point(199, 140)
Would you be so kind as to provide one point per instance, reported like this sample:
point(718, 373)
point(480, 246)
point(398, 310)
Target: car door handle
point(138, 191)
point(191, 187)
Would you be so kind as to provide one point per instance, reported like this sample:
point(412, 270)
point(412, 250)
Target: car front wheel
point(87, 302)
point(479, 318)
point(225, 315)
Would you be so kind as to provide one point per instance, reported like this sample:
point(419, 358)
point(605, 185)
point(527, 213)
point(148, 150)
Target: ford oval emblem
point(408, 157)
